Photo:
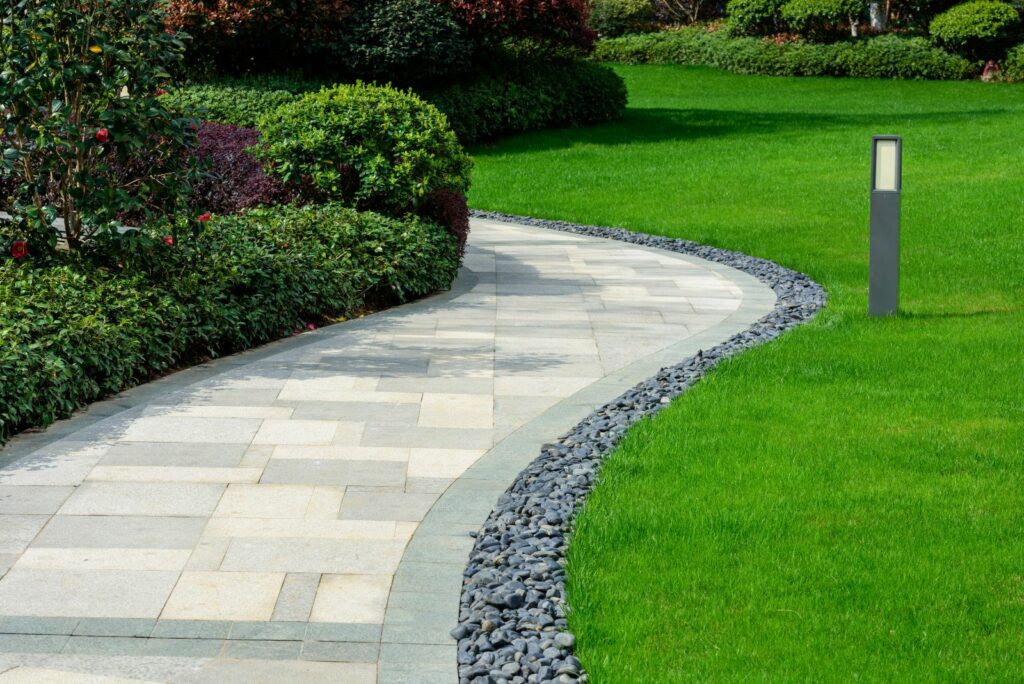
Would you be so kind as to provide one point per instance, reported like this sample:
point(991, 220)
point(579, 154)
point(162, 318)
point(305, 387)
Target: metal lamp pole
point(886, 181)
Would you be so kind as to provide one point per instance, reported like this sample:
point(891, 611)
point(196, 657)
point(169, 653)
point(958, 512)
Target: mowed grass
point(846, 503)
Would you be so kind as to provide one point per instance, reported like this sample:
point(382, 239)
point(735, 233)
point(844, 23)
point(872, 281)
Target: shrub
point(979, 29)
point(1013, 68)
point(244, 35)
point(526, 95)
point(615, 17)
point(451, 210)
point(882, 57)
point(755, 17)
point(66, 68)
point(821, 17)
point(240, 282)
point(553, 22)
point(368, 146)
point(239, 105)
point(404, 41)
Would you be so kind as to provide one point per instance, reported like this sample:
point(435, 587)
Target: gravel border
point(512, 617)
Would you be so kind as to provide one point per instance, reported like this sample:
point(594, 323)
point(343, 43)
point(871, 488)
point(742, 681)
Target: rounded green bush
point(372, 147)
point(820, 16)
point(979, 29)
point(754, 17)
point(1013, 67)
point(616, 17)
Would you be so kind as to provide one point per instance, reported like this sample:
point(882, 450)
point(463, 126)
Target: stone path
point(302, 512)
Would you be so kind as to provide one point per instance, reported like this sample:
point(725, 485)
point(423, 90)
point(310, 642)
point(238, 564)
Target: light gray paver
point(302, 512)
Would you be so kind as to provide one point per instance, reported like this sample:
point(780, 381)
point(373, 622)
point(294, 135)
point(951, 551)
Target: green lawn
point(847, 502)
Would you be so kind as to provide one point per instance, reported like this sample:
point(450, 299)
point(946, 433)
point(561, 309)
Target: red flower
point(19, 249)
point(311, 326)
point(160, 92)
point(169, 240)
point(204, 217)
point(103, 135)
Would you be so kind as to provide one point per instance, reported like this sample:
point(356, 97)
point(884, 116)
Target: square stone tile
point(264, 501)
point(351, 598)
point(143, 498)
point(86, 593)
point(224, 596)
point(325, 503)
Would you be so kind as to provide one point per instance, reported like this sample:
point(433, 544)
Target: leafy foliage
point(404, 41)
point(451, 210)
point(979, 29)
point(1013, 67)
point(882, 57)
point(755, 17)
point(241, 281)
point(239, 104)
point(821, 17)
point(615, 17)
point(554, 22)
point(80, 87)
point(368, 146)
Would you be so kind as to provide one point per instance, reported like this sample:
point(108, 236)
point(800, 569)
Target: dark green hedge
point(1013, 67)
point(77, 331)
point(881, 57)
point(519, 96)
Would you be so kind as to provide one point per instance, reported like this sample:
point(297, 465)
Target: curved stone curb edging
point(512, 621)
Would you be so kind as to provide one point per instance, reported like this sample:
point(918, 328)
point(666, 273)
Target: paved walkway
point(302, 512)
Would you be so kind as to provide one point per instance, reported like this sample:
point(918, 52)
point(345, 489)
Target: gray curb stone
point(512, 619)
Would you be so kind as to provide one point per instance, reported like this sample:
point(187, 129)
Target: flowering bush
point(78, 89)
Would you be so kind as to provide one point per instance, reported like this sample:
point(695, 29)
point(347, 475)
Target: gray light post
point(884, 276)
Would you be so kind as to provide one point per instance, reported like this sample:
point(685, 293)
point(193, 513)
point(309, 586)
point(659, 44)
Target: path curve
point(304, 512)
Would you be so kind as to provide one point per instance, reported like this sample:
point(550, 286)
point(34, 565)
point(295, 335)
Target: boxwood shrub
point(510, 96)
point(134, 307)
point(881, 57)
point(980, 29)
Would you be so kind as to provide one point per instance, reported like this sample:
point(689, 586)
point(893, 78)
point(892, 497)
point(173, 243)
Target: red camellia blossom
point(204, 217)
point(103, 135)
point(19, 249)
point(160, 92)
point(311, 326)
point(169, 240)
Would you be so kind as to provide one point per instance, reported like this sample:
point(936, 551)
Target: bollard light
point(886, 181)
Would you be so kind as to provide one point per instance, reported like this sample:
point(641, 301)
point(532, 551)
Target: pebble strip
point(512, 619)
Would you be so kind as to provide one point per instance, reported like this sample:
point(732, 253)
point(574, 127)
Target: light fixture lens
point(886, 165)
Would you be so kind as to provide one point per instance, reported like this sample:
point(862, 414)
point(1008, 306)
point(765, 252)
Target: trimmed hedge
point(1013, 67)
point(881, 57)
point(521, 96)
point(86, 328)
point(979, 29)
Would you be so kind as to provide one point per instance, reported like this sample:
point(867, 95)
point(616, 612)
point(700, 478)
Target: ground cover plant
point(843, 503)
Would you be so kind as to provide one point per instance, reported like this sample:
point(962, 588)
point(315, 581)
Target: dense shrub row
point(513, 96)
point(133, 307)
point(1013, 68)
point(882, 57)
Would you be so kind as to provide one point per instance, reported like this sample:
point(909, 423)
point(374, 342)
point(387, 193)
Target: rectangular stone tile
point(428, 485)
point(540, 386)
point(341, 453)
point(325, 503)
point(341, 631)
point(139, 498)
point(58, 471)
point(177, 454)
point(439, 548)
point(269, 631)
point(442, 463)
point(208, 554)
point(224, 596)
point(128, 646)
point(42, 558)
point(339, 556)
point(443, 579)
point(32, 643)
point(121, 532)
point(257, 528)
point(457, 411)
point(268, 650)
point(192, 429)
point(32, 500)
point(18, 531)
point(351, 599)
point(229, 411)
point(340, 651)
point(234, 396)
point(264, 501)
point(313, 383)
point(115, 627)
point(86, 593)
point(406, 506)
point(380, 413)
point(257, 456)
point(337, 473)
point(477, 386)
point(413, 627)
point(296, 432)
point(192, 629)
point(428, 437)
point(295, 601)
point(255, 671)
point(132, 473)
